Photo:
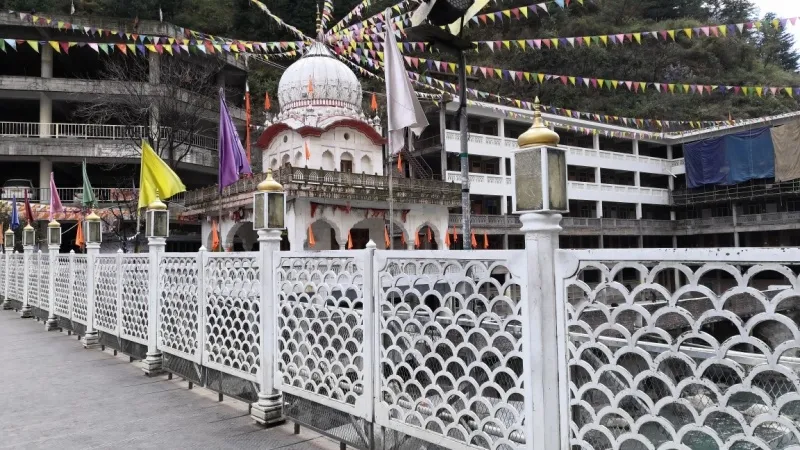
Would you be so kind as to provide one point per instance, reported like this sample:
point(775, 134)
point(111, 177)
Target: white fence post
point(153, 362)
point(6, 289)
point(52, 253)
point(70, 283)
point(91, 339)
point(546, 430)
point(269, 408)
point(25, 311)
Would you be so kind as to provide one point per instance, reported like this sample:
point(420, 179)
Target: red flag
point(374, 103)
point(28, 210)
point(214, 236)
point(267, 105)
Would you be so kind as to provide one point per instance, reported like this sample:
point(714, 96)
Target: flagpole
point(391, 198)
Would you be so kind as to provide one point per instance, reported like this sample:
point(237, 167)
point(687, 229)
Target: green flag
point(89, 200)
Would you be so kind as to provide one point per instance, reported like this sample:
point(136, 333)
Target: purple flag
point(232, 160)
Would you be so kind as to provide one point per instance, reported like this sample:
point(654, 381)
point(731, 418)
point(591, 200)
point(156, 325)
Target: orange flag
point(485, 240)
point(473, 240)
point(79, 239)
point(311, 241)
point(349, 240)
point(214, 236)
point(399, 163)
point(417, 243)
point(403, 238)
point(447, 239)
point(308, 151)
point(455, 235)
point(429, 234)
point(2, 235)
point(386, 239)
point(374, 103)
point(310, 87)
point(267, 105)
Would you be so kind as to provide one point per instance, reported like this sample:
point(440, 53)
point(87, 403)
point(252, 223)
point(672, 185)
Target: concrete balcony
point(488, 221)
point(485, 184)
point(578, 190)
point(329, 185)
point(726, 194)
point(74, 196)
point(31, 139)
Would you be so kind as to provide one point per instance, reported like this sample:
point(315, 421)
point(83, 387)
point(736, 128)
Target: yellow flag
point(154, 175)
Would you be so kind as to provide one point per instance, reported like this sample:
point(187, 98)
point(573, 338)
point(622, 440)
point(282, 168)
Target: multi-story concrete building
point(623, 191)
point(44, 87)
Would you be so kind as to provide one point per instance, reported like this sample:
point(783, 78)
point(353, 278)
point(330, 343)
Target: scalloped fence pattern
point(698, 355)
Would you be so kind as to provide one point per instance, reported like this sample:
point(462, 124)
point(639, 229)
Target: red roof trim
point(273, 131)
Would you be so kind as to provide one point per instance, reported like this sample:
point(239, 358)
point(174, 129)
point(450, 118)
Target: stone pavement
point(55, 394)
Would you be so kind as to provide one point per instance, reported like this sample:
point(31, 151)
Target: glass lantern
point(157, 219)
point(94, 233)
point(28, 236)
point(9, 240)
point(54, 233)
point(269, 205)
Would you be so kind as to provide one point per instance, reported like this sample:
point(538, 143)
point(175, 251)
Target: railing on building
point(202, 153)
point(738, 193)
point(74, 196)
point(317, 183)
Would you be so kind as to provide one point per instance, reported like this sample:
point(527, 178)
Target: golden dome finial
point(269, 184)
point(538, 134)
point(157, 204)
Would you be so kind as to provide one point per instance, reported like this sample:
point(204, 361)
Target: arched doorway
point(324, 236)
point(426, 238)
point(241, 238)
point(376, 229)
point(327, 160)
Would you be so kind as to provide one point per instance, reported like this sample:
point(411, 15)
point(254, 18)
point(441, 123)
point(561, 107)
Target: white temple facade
point(330, 159)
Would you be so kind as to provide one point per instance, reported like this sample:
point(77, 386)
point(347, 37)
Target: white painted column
point(45, 102)
point(501, 130)
point(52, 320)
point(597, 175)
point(545, 354)
point(91, 339)
point(596, 141)
point(599, 211)
point(153, 361)
point(26, 312)
point(637, 179)
point(7, 255)
point(505, 241)
point(269, 408)
point(635, 147)
point(735, 224)
point(638, 211)
point(45, 167)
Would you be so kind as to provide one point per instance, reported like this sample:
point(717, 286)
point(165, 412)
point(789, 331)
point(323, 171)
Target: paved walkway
point(55, 394)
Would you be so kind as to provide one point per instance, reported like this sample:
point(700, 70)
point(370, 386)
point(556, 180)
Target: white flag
point(402, 103)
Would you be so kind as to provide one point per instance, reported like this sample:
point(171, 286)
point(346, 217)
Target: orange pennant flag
point(447, 239)
point(79, 239)
point(310, 87)
point(374, 103)
point(308, 151)
point(403, 238)
point(485, 240)
point(455, 235)
point(473, 240)
point(214, 237)
point(267, 105)
point(349, 240)
point(386, 239)
point(399, 163)
point(311, 241)
point(417, 243)
point(429, 235)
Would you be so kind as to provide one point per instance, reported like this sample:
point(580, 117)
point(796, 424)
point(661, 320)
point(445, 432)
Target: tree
point(170, 101)
point(776, 45)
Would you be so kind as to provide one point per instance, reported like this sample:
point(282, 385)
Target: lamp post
point(94, 238)
point(440, 13)
point(28, 241)
point(53, 247)
point(269, 213)
point(9, 240)
point(157, 231)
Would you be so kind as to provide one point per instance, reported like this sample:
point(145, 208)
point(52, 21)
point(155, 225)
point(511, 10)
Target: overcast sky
point(782, 8)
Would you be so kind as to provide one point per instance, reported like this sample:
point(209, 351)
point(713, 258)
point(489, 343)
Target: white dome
point(335, 86)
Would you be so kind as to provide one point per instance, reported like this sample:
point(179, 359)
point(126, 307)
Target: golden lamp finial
point(538, 134)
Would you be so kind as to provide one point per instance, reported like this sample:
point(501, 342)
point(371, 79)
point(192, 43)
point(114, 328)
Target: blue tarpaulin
point(731, 159)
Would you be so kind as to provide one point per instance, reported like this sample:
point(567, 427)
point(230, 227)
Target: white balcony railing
point(74, 196)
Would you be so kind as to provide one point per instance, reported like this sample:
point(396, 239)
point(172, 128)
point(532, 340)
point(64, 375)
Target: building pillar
point(601, 242)
point(152, 363)
point(638, 211)
point(268, 410)
point(637, 179)
point(635, 147)
point(669, 152)
point(505, 242)
point(45, 115)
point(596, 141)
point(641, 241)
point(599, 211)
point(45, 167)
point(501, 129)
point(443, 138)
point(735, 224)
point(597, 175)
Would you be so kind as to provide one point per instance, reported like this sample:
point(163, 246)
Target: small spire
point(319, 25)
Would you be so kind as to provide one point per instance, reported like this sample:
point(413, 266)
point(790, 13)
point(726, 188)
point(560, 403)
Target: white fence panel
point(106, 290)
point(62, 297)
point(322, 343)
point(703, 353)
point(17, 274)
point(180, 309)
point(135, 287)
point(3, 281)
point(79, 290)
point(33, 279)
point(232, 313)
point(451, 328)
point(44, 282)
